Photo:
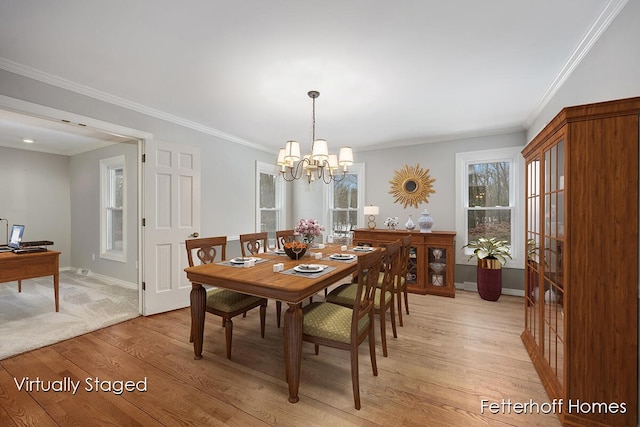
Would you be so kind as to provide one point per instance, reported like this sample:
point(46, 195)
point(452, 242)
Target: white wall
point(35, 192)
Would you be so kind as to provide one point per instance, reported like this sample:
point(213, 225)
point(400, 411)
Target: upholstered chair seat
point(331, 321)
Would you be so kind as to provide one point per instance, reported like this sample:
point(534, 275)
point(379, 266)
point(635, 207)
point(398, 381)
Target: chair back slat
point(252, 243)
point(284, 236)
point(391, 264)
point(405, 252)
point(369, 266)
point(208, 249)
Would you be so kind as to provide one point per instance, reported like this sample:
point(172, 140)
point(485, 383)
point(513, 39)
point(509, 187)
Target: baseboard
point(88, 273)
point(473, 287)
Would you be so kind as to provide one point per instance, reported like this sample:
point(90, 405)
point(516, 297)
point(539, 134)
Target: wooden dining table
point(260, 280)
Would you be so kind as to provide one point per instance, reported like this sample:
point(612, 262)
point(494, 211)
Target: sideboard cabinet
point(581, 273)
point(431, 261)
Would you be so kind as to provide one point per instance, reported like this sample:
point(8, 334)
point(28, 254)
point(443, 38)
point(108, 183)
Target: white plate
point(309, 268)
point(279, 251)
point(342, 256)
point(363, 248)
point(241, 260)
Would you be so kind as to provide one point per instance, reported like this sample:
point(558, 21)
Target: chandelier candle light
point(318, 164)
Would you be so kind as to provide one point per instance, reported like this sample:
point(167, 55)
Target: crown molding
point(38, 75)
point(443, 138)
point(610, 11)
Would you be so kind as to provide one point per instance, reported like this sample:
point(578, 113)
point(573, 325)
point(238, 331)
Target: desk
point(261, 281)
point(28, 266)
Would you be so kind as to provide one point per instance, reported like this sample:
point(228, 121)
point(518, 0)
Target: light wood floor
point(450, 354)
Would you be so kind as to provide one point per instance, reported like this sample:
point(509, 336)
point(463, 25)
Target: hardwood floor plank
point(450, 354)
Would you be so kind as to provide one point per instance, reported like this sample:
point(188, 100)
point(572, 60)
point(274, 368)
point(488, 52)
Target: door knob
point(194, 234)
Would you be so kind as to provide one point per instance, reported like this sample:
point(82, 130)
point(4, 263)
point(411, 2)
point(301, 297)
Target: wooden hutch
point(432, 259)
point(581, 273)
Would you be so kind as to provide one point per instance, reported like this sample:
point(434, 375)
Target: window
point(113, 201)
point(346, 202)
point(488, 203)
point(270, 199)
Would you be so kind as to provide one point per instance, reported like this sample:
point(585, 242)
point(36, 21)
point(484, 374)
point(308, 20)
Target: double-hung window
point(270, 197)
point(345, 202)
point(112, 212)
point(488, 202)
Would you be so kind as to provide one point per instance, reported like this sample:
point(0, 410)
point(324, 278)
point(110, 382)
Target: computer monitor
point(16, 236)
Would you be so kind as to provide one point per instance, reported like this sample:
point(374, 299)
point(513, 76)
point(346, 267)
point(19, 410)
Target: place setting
point(342, 257)
point(363, 249)
point(311, 271)
point(242, 261)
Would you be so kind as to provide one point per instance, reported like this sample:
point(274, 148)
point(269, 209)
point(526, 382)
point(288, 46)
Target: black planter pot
point(489, 279)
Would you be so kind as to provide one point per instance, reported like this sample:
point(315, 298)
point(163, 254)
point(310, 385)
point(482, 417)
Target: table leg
point(56, 290)
point(198, 310)
point(19, 285)
point(293, 348)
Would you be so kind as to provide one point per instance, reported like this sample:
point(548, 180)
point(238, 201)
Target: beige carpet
point(28, 320)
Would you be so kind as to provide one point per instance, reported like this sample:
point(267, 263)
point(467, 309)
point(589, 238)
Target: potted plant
point(492, 254)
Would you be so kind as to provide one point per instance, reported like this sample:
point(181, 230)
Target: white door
point(171, 212)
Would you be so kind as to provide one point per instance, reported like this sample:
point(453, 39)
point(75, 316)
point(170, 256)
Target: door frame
point(37, 110)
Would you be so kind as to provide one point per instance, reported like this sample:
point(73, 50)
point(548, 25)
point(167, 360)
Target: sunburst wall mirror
point(411, 186)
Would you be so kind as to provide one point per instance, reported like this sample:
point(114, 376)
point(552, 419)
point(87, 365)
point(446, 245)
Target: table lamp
point(371, 211)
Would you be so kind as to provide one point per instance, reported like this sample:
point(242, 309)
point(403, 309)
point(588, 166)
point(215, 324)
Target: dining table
point(262, 279)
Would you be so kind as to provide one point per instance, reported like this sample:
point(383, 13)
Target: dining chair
point(223, 302)
point(253, 244)
point(345, 294)
point(400, 282)
point(336, 326)
point(284, 236)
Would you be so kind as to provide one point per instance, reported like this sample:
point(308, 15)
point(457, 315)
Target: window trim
point(106, 166)
point(281, 193)
point(516, 185)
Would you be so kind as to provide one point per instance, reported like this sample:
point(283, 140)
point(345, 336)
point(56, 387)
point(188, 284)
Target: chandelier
point(318, 164)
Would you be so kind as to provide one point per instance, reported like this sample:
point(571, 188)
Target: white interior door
point(171, 212)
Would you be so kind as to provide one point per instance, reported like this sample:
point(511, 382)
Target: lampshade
point(320, 150)
point(292, 151)
point(371, 210)
point(333, 162)
point(346, 156)
point(281, 161)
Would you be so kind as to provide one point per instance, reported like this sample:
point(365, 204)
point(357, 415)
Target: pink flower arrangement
point(308, 228)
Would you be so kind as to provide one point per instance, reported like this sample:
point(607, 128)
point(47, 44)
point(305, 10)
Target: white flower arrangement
point(391, 221)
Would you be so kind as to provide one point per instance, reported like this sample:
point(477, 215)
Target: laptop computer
point(15, 238)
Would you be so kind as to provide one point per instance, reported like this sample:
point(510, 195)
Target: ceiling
point(388, 72)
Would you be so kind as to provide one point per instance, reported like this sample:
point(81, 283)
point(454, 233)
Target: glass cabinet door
point(437, 266)
point(532, 268)
point(553, 242)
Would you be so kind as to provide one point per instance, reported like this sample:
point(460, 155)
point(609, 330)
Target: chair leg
point(372, 350)
point(383, 331)
point(392, 308)
point(263, 315)
point(228, 333)
point(406, 300)
point(355, 376)
point(399, 294)
point(278, 312)
point(317, 348)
